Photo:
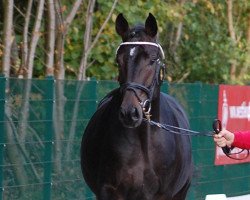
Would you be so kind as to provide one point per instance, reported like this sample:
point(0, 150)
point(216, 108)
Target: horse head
point(140, 69)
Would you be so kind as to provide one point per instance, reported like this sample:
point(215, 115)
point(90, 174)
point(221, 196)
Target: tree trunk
point(7, 36)
point(24, 112)
point(24, 46)
point(62, 29)
point(72, 131)
point(232, 36)
point(58, 122)
point(246, 65)
point(59, 69)
point(178, 32)
point(50, 38)
point(88, 46)
point(34, 40)
point(28, 56)
point(59, 45)
point(12, 149)
point(87, 40)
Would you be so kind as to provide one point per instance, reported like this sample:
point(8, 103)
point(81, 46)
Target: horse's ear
point(151, 25)
point(121, 26)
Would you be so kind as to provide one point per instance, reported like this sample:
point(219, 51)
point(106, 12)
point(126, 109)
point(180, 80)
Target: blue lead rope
point(183, 131)
point(179, 130)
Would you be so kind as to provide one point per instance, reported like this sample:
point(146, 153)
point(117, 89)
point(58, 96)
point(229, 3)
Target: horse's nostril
point(134, 114)
point(131, 114)
point(130, 117)
point(122, 113)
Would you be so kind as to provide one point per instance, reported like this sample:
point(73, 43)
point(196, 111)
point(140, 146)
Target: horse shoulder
point(103, 112)
point(94, 138)
point(185, 168)
point(169, 105)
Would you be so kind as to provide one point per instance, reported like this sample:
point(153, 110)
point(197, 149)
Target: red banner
point(234, 113)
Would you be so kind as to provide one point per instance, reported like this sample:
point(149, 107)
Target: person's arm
point(240, 139)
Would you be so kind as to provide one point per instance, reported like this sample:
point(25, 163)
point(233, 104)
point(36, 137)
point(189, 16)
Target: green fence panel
point(49, 133)
point(2, 138)
point(44, 123)
point(75, 103)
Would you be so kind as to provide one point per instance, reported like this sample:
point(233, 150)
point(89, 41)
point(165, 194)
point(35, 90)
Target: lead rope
point(179, 131)
point(229, 155)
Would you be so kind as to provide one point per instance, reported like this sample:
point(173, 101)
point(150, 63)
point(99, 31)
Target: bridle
point(157, 80)
point(149, 91)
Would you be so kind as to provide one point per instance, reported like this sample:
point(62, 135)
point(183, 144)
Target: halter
point(149, 91)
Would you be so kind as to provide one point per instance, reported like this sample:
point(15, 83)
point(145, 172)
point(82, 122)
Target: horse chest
point(136, 180)
point(135, 172)
point(139, 181)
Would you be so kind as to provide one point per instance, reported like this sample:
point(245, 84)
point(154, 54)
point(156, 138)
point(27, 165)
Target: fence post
point(49, 96)
point(2, 137)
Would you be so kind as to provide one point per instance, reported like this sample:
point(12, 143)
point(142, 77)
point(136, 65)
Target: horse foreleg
point(181, 195)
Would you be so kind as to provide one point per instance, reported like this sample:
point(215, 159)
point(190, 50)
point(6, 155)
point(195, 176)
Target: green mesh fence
point(42, 122)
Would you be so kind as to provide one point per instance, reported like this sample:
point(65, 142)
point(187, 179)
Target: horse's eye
point(152, 61)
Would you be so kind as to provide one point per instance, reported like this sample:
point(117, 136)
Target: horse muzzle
point(130, 113)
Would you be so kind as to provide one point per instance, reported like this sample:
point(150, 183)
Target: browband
point(143, 43)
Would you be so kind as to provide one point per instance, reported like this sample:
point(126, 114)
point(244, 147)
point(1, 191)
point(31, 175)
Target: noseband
point(149, 91)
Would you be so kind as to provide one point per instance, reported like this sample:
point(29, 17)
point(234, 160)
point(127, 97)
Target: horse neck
point(155, 106)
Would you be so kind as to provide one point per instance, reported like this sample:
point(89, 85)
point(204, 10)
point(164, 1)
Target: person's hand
point(224, 138)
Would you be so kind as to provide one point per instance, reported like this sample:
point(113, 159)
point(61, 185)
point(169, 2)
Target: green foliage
point(102, 57)
point(205, 50)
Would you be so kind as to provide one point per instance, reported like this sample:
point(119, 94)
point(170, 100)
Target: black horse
point(123, 156)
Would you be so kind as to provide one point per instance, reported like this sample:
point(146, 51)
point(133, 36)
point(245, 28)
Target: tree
point(77, 38)
point(63, 25)
point(7, 37)
point(88, 45)
point(208, 51)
